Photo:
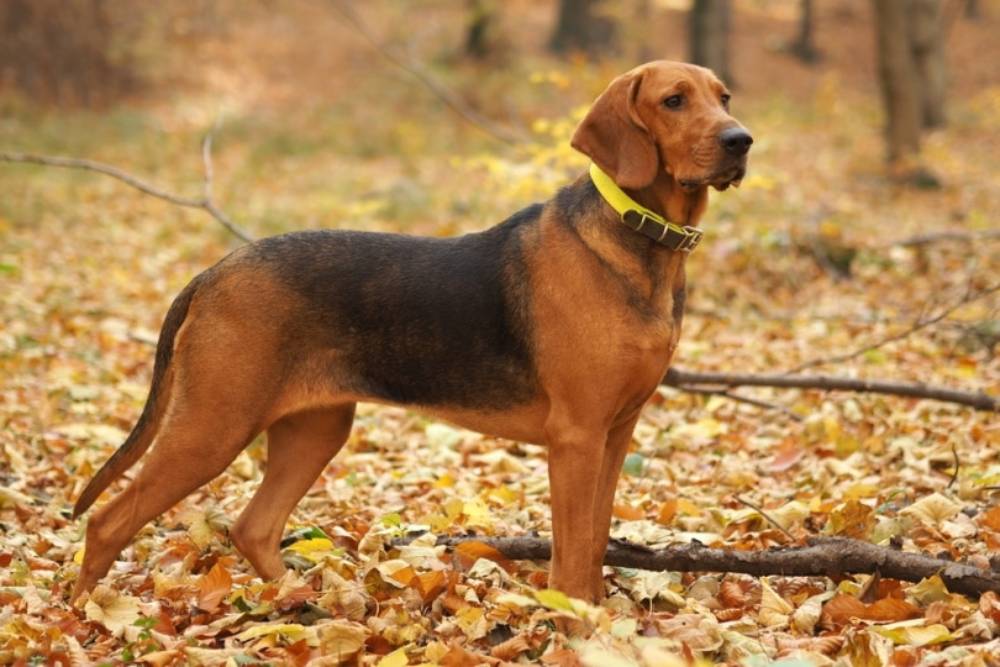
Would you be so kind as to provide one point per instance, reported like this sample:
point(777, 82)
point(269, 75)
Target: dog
point(553, 327)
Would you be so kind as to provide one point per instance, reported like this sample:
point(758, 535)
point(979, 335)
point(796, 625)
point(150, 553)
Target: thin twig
point(681, 379)
point(450, 99)
point(936, 237)
point(919, 324)
point(205, 203)
point(958, 464)
point(767, 517)
point(740, 398)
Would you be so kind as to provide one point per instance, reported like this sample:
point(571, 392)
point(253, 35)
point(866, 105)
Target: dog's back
point(413, 320)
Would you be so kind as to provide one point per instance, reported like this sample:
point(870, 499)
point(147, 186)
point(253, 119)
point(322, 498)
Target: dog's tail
point(146, 427)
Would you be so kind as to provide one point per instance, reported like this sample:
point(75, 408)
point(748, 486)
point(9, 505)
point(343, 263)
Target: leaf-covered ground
point(797, 266)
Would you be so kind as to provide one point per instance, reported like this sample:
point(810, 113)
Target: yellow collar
point(640, 219)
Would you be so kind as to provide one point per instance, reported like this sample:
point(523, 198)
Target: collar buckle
point(692, 238)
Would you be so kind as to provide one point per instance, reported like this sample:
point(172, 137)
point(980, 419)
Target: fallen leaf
point(214, 586)
point(774, 609)
point(115, 611)
point(916, 634)
point(932, 510)
point(341, 638)
point(395, 659)
point(470, 552)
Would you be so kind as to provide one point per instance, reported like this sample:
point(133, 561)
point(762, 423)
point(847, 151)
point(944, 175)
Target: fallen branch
point(823, 557)
point(205, 203)
point(685, 380)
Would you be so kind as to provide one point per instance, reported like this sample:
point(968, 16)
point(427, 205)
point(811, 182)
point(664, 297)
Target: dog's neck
point(683, 206)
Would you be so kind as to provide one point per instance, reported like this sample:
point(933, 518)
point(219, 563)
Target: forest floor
point(800, 265)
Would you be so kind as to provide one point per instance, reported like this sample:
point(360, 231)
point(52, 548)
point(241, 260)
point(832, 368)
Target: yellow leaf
point(932, 510)
point(313, 549)
point(852, 519)
point(807, 615)
point(910, 634)
point(395, 659)
point(774, 609)
point(686, 507)
point(553, 599)
point(444, 481)
point(477, 514)
point(292, 631)
point(931, 589)
point(471, 621)
point(341, 638)
point(859, 491)
point(115, 611)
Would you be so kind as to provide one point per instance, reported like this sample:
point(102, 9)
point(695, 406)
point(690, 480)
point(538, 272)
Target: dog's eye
point(725, 100)
point(674, 102)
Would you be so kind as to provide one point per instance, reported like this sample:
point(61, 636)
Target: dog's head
point(665, 115)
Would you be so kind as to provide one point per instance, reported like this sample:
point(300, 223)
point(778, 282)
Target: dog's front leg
point(575, 458)
point(613, 457)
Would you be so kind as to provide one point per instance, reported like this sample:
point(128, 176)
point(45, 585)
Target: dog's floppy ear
point(613, 135)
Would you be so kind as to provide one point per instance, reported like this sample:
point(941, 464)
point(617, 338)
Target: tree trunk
point(927, 42)
point(709, 36)
point(899, 78)
point(804, 47)
point(580, 28)
point(479, 37)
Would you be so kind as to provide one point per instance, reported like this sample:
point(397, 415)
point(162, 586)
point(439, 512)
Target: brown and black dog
point(552, 327)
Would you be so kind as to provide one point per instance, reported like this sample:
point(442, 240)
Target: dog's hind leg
point(195, 444)
point(223, 386)
point(298, 448)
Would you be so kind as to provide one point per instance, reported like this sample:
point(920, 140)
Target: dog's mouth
point(729, 175)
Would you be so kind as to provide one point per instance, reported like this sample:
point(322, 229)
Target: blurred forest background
point(863, 243)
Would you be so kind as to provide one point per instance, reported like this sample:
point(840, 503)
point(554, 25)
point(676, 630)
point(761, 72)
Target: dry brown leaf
point(214, 586)
point(991, 518)
point(852, 519)
point(667, 511)
point(731, 594)
point(840, 610)
point(563, 657)
point(891, 610)
point(470, 552)
point(989, 605)
point(823, 645)
point(628, 512)
point(511, 649)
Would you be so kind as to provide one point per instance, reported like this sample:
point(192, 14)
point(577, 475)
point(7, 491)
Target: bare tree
point(709, 36)
point(804, 46)
point(581, 27)
point(926, 27)
point(481, 29)
point(913, 77)
point(69, 51)
point(898, 73)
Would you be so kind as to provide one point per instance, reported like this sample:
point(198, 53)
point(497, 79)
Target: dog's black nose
point(736, 140)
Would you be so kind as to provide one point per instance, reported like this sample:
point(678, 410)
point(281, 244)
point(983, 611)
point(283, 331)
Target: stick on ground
point(823, 557)
point(684, 380)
